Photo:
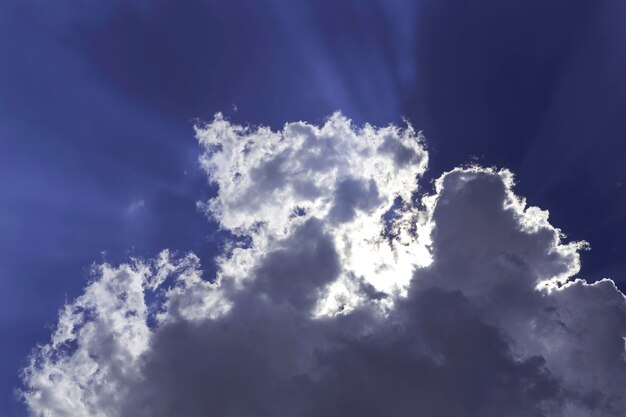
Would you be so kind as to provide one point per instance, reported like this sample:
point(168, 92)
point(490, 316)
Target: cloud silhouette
point(345, 291)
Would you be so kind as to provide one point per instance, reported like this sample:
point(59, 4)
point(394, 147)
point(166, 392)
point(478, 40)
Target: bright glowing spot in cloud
point(346, 298)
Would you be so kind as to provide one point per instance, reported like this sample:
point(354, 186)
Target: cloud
point(343, 293)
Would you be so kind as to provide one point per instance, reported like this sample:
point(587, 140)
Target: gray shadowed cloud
point(464, 303)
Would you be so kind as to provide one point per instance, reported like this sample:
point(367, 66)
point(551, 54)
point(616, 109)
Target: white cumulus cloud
point(343, 293)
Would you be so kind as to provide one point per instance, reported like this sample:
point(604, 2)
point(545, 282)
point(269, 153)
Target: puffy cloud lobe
point(511, 265)
point(346, 298)
point(347, 177)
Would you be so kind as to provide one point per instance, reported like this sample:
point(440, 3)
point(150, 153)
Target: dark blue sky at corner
point(98, 102)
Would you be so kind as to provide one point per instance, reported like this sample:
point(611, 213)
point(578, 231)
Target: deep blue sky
point(97, 104)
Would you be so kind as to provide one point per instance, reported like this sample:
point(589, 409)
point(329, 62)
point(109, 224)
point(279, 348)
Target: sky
point(110, 150)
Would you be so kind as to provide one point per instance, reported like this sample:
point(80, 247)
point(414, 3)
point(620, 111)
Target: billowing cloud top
point(343, 293)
